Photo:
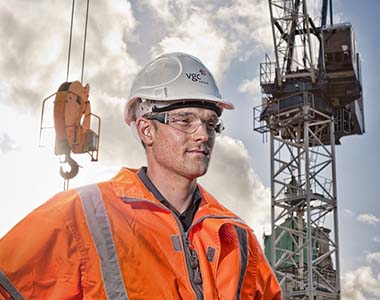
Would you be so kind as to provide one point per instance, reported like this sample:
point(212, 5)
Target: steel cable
point(85, 40)
point(71, 36)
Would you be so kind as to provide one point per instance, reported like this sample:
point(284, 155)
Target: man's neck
point(177, 189)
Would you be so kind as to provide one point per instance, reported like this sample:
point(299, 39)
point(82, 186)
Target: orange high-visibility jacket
point(114, 241)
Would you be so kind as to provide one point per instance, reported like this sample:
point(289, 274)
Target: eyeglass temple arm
point(162, 118)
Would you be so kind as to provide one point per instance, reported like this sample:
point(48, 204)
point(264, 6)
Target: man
point(152, 233)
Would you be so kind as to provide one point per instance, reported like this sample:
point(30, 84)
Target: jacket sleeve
point(39, 257)
point(267, 285)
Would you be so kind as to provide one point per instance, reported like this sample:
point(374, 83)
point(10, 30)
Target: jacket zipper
point(190, 254)
point(192, 263)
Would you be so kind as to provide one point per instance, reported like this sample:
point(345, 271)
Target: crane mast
point(292, 31)
point(312, 96)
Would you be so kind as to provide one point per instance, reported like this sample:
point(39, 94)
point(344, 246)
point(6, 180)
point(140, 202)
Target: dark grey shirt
point(187, 216)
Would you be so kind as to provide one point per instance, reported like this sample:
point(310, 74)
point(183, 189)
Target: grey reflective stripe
point(98, 224)
point(243, 243)
point(9, 287)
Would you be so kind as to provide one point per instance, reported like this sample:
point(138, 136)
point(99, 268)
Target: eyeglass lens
point(189, 122)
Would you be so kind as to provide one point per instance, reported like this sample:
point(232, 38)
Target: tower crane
point(312, 97)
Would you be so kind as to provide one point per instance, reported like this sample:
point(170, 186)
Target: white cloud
point(33, 59)
point(251, 86)
point(110, 67)
point(369, 219)
point(214, 32)
point(247, 21)
point(347, 212)
point(361, 284)
point(170, 11)
point(373, 257)
point(31, 51)
point(195, 36)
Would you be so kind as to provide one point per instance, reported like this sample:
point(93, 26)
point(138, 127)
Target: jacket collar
point(127, 184)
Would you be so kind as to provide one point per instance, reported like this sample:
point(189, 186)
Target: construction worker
point(152, 233)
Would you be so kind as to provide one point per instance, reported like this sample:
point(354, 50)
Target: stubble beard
point(181, 161)
point(196, 167)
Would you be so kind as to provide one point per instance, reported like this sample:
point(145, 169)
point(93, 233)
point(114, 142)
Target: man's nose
point(201, 133)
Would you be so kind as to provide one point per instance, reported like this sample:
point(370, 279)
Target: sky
point(231, 38)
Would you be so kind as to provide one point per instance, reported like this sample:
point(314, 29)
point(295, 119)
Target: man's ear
point(145, 130)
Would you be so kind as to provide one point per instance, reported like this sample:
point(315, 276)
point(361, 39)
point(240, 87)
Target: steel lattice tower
point(306, 110)
point(303, 189)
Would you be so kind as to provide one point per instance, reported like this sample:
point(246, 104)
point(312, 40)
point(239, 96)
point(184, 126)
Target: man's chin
point(197, 171)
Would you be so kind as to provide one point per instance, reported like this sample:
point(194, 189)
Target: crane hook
point(74, 168)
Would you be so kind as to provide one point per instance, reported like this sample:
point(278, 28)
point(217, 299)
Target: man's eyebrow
point(183, 114)
point(191, 114)
point(211, 117)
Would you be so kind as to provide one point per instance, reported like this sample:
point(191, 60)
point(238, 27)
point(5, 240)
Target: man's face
point(185, 154)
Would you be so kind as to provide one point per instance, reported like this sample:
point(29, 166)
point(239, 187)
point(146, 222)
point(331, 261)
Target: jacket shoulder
point(218, 208)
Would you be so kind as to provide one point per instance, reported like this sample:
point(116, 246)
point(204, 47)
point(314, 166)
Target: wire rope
point(85, 40)
point(71, 36)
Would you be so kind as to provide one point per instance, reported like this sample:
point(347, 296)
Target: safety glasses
point(189, 122)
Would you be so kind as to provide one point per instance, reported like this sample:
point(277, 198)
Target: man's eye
point(182, 121)
point(211, 124)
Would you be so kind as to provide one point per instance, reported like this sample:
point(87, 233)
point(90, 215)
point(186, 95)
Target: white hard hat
point(172, 79)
